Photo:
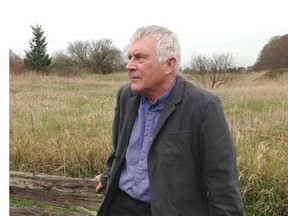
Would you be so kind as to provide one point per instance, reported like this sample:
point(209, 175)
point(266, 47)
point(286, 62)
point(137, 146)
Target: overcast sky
point(242, 27)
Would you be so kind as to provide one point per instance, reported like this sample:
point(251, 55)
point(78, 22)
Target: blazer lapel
point(132, 112)
point(170, 106)
point(133, 103)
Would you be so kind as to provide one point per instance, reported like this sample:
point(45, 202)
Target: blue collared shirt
point(134, 175)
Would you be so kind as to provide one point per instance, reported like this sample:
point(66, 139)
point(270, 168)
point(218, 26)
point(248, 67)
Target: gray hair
point(167, 44)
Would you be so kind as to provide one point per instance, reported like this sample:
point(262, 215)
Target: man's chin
point(135, 89)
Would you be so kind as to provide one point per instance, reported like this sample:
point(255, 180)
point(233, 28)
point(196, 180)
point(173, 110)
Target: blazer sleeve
point(220, 171)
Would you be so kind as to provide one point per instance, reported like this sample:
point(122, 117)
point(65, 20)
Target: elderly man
point(172, 149)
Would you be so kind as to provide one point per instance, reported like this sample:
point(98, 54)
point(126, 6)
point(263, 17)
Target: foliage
point(62, 65)
point(105, 56)
point(219, 68)
point(98, 56)
point(274, 74)
point(78, 52)
point(274, 54)
point(16, 63)
point(36, 58)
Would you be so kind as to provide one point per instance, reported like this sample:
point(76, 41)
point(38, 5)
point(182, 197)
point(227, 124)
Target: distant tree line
point(94, 56)
point(103, 57)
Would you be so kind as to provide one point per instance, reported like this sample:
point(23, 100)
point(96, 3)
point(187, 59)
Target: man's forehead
point(144, 44)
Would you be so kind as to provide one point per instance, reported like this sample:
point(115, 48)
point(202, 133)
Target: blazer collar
point(177, 92)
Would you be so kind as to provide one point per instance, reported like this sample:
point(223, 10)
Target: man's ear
point(171, 63)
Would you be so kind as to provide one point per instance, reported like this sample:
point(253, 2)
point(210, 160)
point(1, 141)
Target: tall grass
point(257, 111)
point(62, 126)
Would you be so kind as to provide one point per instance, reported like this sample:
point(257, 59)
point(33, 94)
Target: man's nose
point(131, 65)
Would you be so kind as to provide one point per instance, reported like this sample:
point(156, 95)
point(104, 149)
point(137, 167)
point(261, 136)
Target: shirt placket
point(141, 168)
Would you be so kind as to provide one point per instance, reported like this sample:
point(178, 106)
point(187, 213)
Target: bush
point(274, 74)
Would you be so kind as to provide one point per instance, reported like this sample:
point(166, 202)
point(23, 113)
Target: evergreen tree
point(37, 58)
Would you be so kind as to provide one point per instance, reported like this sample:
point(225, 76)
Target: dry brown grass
point(257, 111)
point(62, 126)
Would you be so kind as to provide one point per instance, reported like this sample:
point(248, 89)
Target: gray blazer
point(192, 165)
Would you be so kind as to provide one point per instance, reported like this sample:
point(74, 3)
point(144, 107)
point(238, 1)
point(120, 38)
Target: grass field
point(62, 126)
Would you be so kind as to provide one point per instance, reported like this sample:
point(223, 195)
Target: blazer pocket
point(177, 149)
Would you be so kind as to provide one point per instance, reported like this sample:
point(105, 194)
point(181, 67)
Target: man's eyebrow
point(136, 54)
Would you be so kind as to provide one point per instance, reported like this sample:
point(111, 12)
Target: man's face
point(147, 75)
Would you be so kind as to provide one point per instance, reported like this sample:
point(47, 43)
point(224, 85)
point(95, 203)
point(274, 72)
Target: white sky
point(242, 27)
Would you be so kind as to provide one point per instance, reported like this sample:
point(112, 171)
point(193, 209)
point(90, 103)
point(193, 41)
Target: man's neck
point(152, 98)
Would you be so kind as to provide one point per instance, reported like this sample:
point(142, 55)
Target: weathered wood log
point(54, 190)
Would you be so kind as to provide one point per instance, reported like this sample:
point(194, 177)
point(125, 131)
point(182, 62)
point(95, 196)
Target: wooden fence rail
point(54, 190)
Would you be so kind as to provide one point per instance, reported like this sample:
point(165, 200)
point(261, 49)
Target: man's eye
point(140, 58)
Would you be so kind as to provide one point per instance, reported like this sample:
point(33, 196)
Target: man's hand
point(99, 186)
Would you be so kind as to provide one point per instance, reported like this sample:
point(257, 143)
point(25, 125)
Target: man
point(172, 149)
